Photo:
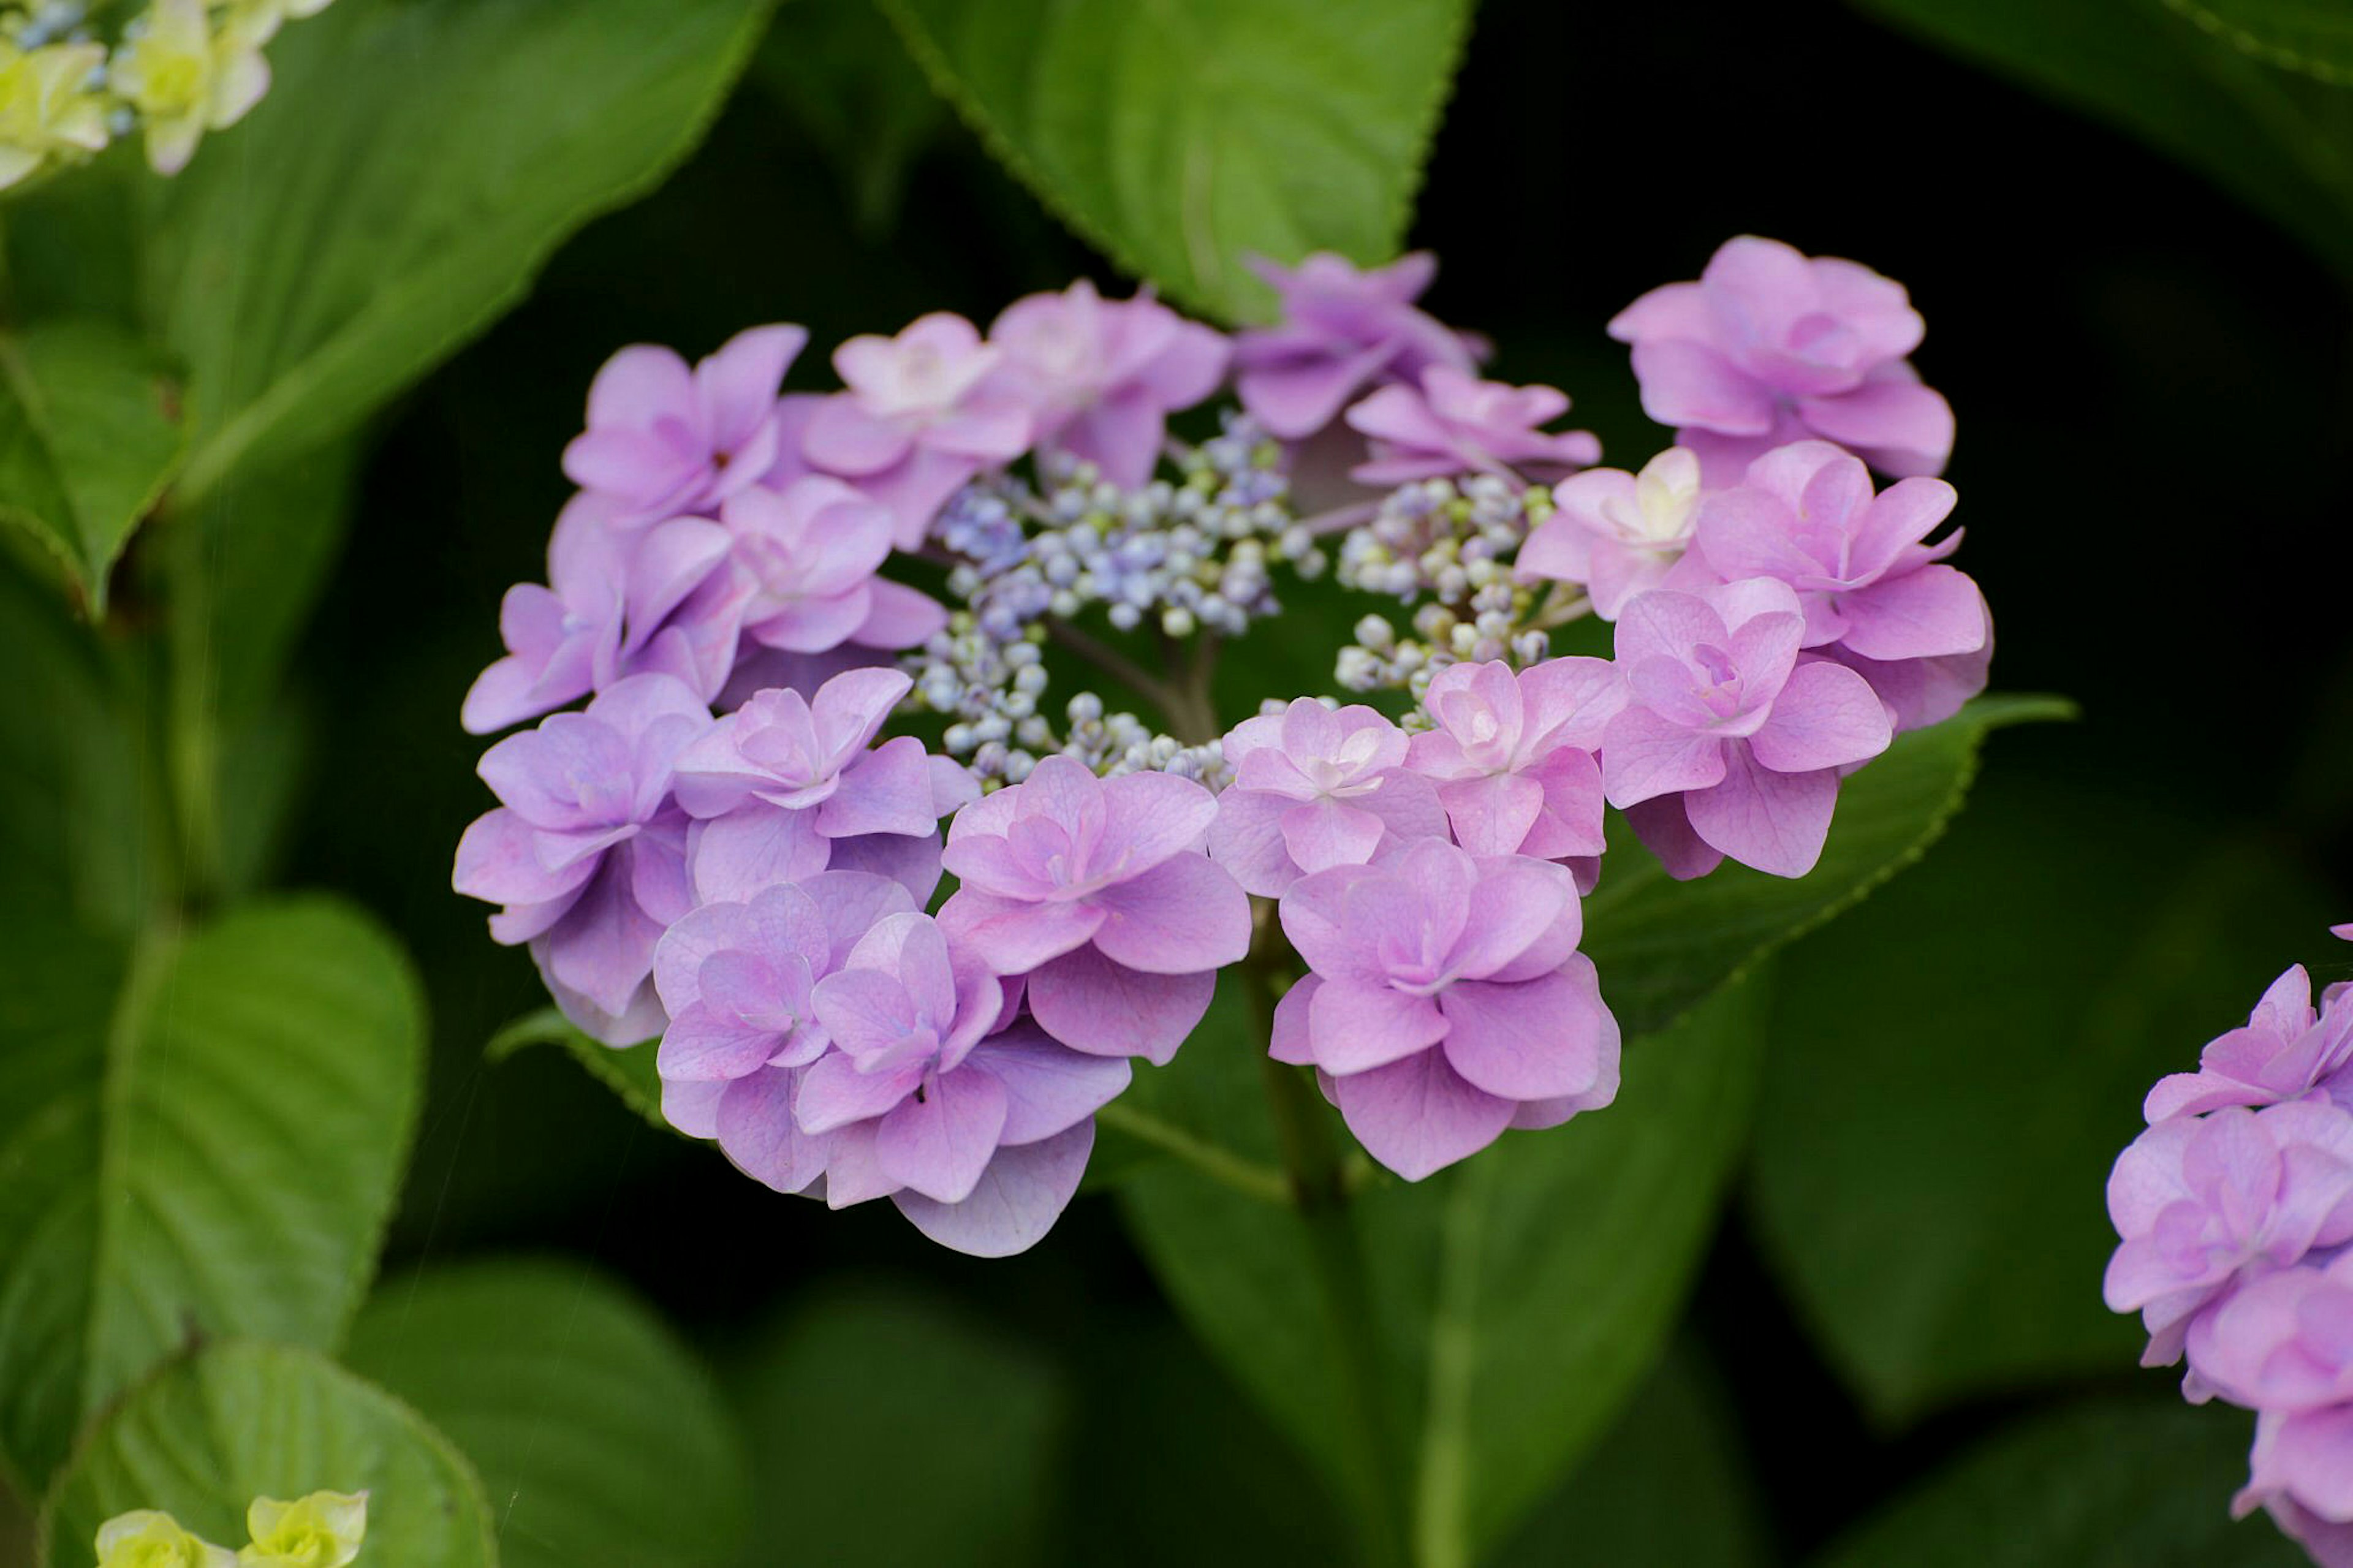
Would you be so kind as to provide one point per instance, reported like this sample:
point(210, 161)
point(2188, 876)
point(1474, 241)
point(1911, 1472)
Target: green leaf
point(837, 69)
point(1179, 137)
point(2295, 35)
point(859, 1384)
point(364, 222)
point(1519, 1297)
point(627, 1071)
point(1952, 1078)
point(2281, 143)
point(91, 432)
point(605, 1444)
point(200, 1134)
point(1661, 944)
point(208, 1435)
point(2119, 1483)
point(1668, 1487)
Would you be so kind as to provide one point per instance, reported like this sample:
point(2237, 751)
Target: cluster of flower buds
point(323, 1530)
point(178, 69)
point(727, 847)
point(2236, 1212)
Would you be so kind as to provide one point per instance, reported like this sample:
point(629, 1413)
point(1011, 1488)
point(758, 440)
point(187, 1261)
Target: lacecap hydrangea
point(801, 812)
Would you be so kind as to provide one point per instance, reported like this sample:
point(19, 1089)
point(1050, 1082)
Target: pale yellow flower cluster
point(321, 1531)
point(180, 68)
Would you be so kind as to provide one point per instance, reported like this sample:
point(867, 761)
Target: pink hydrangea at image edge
point(1447, 1002)
point(2285, 1049)
point(1316, 787)
point(1615, 533)
point(1512, 755)
point(664, 440)
point(1100, 378)
point(1453, 423)
point(587, 851)
point(1098, 893)
point(1770, 346)
point(919, 415)
point(1341, 330)
point(1728, 745)
point(1878, 597)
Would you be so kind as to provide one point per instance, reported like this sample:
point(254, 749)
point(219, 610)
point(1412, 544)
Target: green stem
point(1320, 1187)
point(1217, 1163)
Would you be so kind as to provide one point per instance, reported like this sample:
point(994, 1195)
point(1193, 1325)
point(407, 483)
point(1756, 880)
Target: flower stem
point(1115, 664)
point(1215, 1161)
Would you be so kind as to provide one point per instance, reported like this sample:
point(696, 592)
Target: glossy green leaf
point(1181, 137)
point(1951, 1079)
point(626, 1070)
point(239, 1420)
point(2309, 35)
point(1519, 1297)
point(91, 429)
point(2120, 1483)
point(201, 1135)
point(2280, 143)
point(363, 222)
point(603, 1441)
point(888, 1427)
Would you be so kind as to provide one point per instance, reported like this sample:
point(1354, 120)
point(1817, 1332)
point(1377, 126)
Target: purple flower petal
point(1092, 1005)
point(1017, 1200)
point(1418, 1115)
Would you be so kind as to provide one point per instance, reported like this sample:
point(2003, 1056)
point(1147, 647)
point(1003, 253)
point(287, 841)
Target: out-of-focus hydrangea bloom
point(1453, 423)
point(587, 850)
point(979, 1138)
point(665, 438)
point(145, 1538)
point(324, 1529)
point(1100, 378)
point(1878, 597)
point(184, 76)
point(2204, 1202)
point(47, 109)
point(2283, 1345)
point(2299, 1469)
point(2284, 1050)
point(1099, 891)
point(1341, 329)
point(1616, 533)
point(1770, 346)
point(1512, 755)
point(918, 416)
point(1448, 1002)
point(1728, 745)
point(1316, 787)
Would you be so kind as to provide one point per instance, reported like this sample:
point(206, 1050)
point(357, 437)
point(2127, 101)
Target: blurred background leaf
point(200, 1135)
point(1179, 138)
point(2291, 34)
point(91, 429)
point(239, 1420)
point(2117, 1483)
point(600, 1441)
point(837, 69)
point(1951, 1079)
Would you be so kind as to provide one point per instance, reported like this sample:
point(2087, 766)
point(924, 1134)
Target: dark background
point(2153, 406)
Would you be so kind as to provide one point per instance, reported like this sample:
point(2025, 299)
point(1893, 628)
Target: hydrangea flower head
point(2199, 1201)
point(1453, 423)
point(2299, 1469)
point(184, 76)
point(914, 1101)
point(1316, 787)
point(2283, 1341)
point(809, 553)
point(1770, 346)
point(1619, 534)
point(665, 438)
point(144, 1538)
point(587, 851)
point(1101, 376)
point(46, 108)
point(1738, 743)
point(323, 1530)
point(1448, 1002)
point(1099, 891)
point(919, 417)
point(1342, 329)
point(1513, 755)
point(2284, 1050)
